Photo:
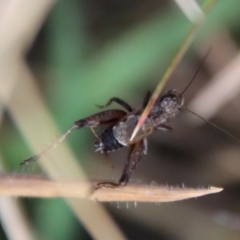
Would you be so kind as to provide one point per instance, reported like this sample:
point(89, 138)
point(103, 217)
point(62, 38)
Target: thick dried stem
point(35, 186)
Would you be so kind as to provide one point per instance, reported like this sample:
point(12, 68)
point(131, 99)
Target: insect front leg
point(134, 157)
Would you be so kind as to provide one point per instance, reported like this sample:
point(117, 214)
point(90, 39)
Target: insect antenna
point(55, 144)
point(213, 124)
point(205, 120)
point(196, 73)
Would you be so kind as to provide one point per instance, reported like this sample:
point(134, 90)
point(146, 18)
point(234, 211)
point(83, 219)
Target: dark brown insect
point(119, 127)
point(118, 134)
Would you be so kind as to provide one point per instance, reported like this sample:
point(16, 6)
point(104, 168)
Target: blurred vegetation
point(89, 51)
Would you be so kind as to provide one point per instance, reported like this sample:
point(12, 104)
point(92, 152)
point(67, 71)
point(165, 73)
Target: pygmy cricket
point(119, 126)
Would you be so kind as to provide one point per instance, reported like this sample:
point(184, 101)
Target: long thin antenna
point(196, 73)
point(214, 125)
point(36, 157)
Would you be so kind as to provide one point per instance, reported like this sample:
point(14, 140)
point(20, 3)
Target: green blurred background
point(89, 51)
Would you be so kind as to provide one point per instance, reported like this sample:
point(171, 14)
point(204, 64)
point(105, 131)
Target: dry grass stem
point(14, 43)
point(35, 186)
point(56, 168)
point(175, 61)
point(226, 82)
point(190, 8)
point(12, 214)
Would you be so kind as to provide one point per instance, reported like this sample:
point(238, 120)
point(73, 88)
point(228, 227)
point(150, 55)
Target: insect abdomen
point(107, 142)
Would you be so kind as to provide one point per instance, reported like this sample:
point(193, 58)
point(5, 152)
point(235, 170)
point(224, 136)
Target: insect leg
point(119, 101)
point(104, 118)
point(135, 154)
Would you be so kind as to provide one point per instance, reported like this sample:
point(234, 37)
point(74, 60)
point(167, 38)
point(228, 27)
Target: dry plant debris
point(36, 186)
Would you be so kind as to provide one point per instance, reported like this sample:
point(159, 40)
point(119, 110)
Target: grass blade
point(177, 58)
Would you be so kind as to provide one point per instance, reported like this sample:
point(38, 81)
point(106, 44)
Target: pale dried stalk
point(226, 82)
point(11, 214)
point(35, 186)
point(190, 8)
point(19, 21)
point(18, 28)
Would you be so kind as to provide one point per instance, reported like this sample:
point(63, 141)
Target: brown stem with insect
point(35, 186)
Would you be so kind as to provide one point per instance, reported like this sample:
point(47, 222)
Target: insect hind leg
point(104, 118)
point(134, 157)
point(119, 101)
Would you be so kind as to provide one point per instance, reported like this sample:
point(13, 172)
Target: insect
point(119, 126)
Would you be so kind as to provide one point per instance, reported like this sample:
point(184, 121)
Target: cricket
point(119, 126)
